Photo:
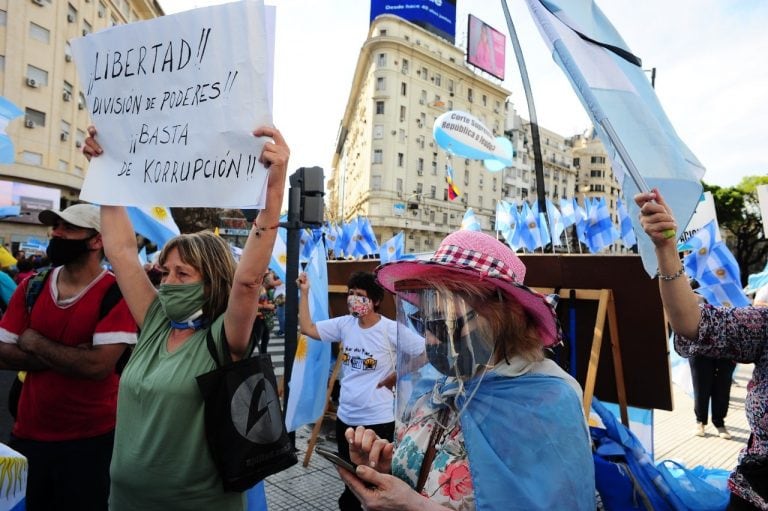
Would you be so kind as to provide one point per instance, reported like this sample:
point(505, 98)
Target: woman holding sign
point(161, 459)
point(736, 333)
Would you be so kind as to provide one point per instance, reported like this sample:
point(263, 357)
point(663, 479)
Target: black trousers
point(711, 383)
point(348, 501)
point(68, 475)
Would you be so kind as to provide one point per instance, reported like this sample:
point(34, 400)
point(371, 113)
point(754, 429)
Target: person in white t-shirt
point(369, 347)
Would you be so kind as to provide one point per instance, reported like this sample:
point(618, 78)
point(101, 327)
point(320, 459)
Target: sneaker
point(699, 431)
point(723, 433)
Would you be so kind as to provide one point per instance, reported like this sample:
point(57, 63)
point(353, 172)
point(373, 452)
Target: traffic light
point(309, 180)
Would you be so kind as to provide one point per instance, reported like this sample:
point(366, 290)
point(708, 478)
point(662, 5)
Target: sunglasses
point(438, 327)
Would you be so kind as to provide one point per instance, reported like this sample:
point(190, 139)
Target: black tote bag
point(243, 421)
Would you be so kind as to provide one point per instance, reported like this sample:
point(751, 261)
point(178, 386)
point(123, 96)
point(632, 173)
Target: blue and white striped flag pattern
point(580, 220)
point(367, 245)
point(280, 253)
point(8, 112)
point(757, 280)
point(556, 224)
point(546, 239)
point(567, 212)
point(625, 226)
point(726, 294)
point(392, 249)
point(470, 222)
point(350, 237)
point(600, 231)
point(530, 236)
point(154, 223)
point(613, 88)
point(312, 363)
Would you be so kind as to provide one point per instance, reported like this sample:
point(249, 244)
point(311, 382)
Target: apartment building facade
point(38, 75)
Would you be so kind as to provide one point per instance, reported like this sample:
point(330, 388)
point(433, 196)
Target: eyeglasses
point(438, 327)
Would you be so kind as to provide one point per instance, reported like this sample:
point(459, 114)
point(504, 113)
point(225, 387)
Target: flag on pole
point(600, 231)
point(8, 112)
point(350, 238)
point(556, 224)
point(580, 220)
point(725, 294)
point(625, 224)
point(279, 253)
point(453, 190)
point(611, 84)
point(470, 222)
point(368, 244)
point(312, 363)
point(567, 211)
point(530, 236)
point(392, 249)
point(154, 223)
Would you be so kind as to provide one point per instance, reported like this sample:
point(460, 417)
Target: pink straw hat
point(478, 257)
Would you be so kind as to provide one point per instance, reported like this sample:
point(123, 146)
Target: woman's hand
point(91, 148)
point(382, 492)
point(303, 282)
point(656, 218)
point(274, 156)
point(366, 448)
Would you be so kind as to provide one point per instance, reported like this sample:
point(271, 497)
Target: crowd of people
point(453, 404)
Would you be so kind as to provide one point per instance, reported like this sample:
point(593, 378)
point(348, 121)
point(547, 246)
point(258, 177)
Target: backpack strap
point(35, 286)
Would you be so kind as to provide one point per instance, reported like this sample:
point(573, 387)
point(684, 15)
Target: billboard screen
point(437, 16)
point(486, 47)
point(21, 202)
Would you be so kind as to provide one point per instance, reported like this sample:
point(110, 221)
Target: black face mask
point(63, 251)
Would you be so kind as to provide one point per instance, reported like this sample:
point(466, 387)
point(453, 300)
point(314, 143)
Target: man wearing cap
point(66, 414)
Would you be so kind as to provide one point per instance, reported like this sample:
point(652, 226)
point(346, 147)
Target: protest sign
point(175, 101)
point(704, 213)
point(762, 200)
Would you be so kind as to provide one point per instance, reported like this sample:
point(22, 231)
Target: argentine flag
point(154, 223)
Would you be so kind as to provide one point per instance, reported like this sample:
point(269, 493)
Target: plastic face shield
point(439, 335)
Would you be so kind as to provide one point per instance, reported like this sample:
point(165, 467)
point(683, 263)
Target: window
point(419, 188)
point(469, 95)
point(383, 32)
point(596, 188)
point(71, 13)
point(381, 60)
point(68, 87)
point(3, 18)
point(79, 170)
point(434, 168)
point(39, 33)
point(63, 166)
point(67, 51)
point(402, 114)
point(79, 138)
point(450, 105)
point(81, 101)
point(405, 66)
point(485, 100)
point(87, 28)
point(403, 89)
point(597, 159)
point(31, 158)
point(424, 73)
point(576, 162)
point(381, 85)
point(102, 10)
point(379, 107)
point(438, 79)
point(595, 173)
point(445, 215)
point(2, 62)
point(494, 184)
point(423, 97)
point(432, 191)
point(450, 85)
point(466, 176)
point(432, 216)
point(423, 118)
point(40, 76)
point(401, 135)
point(65, 128)
point(378, 156)
point(420, 165)
point(399, 185)
point(113, 21)
point(400, 159)
point(376, 182)
point(35, 116)
point(378, 131)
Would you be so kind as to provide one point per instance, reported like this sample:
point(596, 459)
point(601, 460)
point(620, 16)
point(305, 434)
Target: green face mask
point(181, 302)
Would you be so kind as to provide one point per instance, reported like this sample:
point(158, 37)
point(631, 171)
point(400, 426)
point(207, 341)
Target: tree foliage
point(739, 216)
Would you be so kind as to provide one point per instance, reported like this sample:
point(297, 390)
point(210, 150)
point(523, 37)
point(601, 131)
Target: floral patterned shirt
point(449, 482)
point(738, 334)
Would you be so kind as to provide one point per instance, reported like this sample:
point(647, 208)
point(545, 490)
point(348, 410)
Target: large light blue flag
point(530, 236)
point(613, 88)
point(567, 212)
point(600, 231)
point(154, 223)
point(280, 253)
point(312, 363)
point(503, 217)
point(556, 224)
point(350, 236)
point(8, 112)
point(715, 266)
point(757, 280)
point(726, 294)
point(470, 222)
point(392, 249)
point(367, 245)
point(700, 245)
point(546, 239)
point(625, 225)
point(580, 220)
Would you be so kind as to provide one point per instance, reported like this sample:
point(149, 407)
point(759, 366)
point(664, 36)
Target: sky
point(711, 76)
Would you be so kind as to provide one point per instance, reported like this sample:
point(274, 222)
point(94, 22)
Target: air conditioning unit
point(68, 58)
point(29, 123)
point(101, 14)
point(85, 32)
point(70, 18)
point(67, 96)
point(80, 105)
point(64, 136)
point(421, 101)
point(31, 82)
point(78, 144)
point(420, 172)
point(38, 2)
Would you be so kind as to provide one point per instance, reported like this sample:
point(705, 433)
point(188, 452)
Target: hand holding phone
point(334, 458)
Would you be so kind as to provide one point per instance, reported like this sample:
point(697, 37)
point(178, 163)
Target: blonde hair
point(209, 255)
point(512, 330)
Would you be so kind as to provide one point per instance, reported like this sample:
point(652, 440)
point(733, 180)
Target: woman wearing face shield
point(161, 458)
point(488, 422)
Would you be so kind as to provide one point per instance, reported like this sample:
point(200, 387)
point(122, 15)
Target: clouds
point(709, 55)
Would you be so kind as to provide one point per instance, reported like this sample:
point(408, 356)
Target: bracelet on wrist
point(672, 276)
point(257, 229)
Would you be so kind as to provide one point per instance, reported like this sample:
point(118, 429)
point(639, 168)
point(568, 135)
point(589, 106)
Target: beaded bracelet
point(258, 230)
point(679, 273)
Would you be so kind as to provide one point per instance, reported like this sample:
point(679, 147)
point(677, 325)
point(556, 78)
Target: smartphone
point(334, 458)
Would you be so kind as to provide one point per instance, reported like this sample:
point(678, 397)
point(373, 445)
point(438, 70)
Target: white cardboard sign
point(175, 101)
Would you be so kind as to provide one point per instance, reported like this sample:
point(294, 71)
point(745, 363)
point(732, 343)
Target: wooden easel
point(327, 412)
point(606, 308)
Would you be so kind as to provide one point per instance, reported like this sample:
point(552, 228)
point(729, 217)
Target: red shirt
point(55, 406)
